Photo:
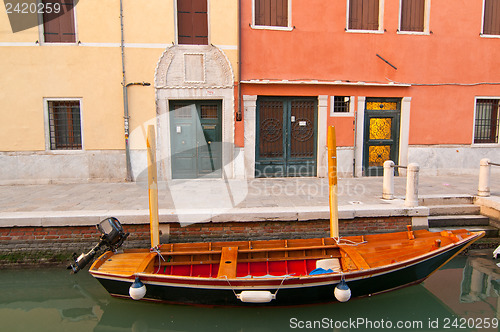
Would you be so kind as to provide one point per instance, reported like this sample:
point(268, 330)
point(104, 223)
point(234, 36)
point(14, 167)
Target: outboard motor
point(112, 236)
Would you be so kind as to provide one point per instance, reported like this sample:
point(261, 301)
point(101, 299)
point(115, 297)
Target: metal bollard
point(411, 199)
point(388, 180)
point(483, 188)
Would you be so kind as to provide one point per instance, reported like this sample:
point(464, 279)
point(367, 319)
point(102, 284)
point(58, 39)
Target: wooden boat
point(272, 272)
point(279, 271)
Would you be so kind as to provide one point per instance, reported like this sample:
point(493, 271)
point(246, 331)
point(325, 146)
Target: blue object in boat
point(320, 270)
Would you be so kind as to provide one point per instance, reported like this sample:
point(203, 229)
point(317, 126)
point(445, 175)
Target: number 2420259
point(33, 8)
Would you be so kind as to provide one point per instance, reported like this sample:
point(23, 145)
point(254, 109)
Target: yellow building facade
point(62, 101)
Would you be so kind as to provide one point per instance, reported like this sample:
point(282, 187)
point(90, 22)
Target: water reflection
point(387, 307)
point(48, 300)
point(481, 280)
point(52, 300)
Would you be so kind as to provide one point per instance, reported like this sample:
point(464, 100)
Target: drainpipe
point(126, 117)
point(238, 112)
point(125, 101)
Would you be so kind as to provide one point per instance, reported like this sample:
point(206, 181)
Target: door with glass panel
point(196, 139)
point(381, 134)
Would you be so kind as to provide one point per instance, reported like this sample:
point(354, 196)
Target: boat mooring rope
point(347, 242)
point(275, 293)
point(230, 286)
point(160, 257)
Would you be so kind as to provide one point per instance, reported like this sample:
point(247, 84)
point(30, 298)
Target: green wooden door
point(286, 137)
point(196, 139)
point(381, 135)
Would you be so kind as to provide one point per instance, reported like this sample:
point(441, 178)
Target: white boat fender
point(137, 290)
point(342, 291)
point(256, 296)
point(496, 252)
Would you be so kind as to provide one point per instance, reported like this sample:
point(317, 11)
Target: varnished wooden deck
point(222, 258)
point(126, 263)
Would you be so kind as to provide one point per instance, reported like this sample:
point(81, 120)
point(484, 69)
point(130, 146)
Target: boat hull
point(289, 290)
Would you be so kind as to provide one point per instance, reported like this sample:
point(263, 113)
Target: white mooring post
point(483, 188)
point(411, 199)
point(388, 181)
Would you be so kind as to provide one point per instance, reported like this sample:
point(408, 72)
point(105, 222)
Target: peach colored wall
point(92, 70)
point(319, 48)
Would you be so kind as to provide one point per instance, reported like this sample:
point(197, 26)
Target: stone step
point(491, 232)
point(428, 200)
point(458, 220)
point(453, 209)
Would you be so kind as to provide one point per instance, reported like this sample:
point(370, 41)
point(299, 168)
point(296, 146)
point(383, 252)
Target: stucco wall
point(90, 71)
point(318, 48)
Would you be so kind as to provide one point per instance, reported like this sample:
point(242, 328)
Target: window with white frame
point(342, 106)
point(59, 22)
point(364, 15)
point(491, 17)
point(64, 125)
point(192, 22)
point(413, 16)
point(486, 120)
point(271, 13)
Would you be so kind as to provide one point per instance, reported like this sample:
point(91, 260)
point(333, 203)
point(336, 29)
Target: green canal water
point(462, 296)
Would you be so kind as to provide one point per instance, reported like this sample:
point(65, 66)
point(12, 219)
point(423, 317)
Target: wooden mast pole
point(332, 182)
point(153, 188)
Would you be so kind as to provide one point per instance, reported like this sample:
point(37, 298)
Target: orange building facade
point(405, 80)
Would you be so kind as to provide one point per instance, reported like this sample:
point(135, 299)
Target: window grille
point(486, 124)
point(182, 111)
point(209, 111)
point(341, 104)
point(64, 125)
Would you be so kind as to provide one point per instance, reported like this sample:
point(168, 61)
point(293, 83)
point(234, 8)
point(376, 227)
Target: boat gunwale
point(241, 282)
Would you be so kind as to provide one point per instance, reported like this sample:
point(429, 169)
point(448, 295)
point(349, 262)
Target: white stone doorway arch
point(198, 73)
